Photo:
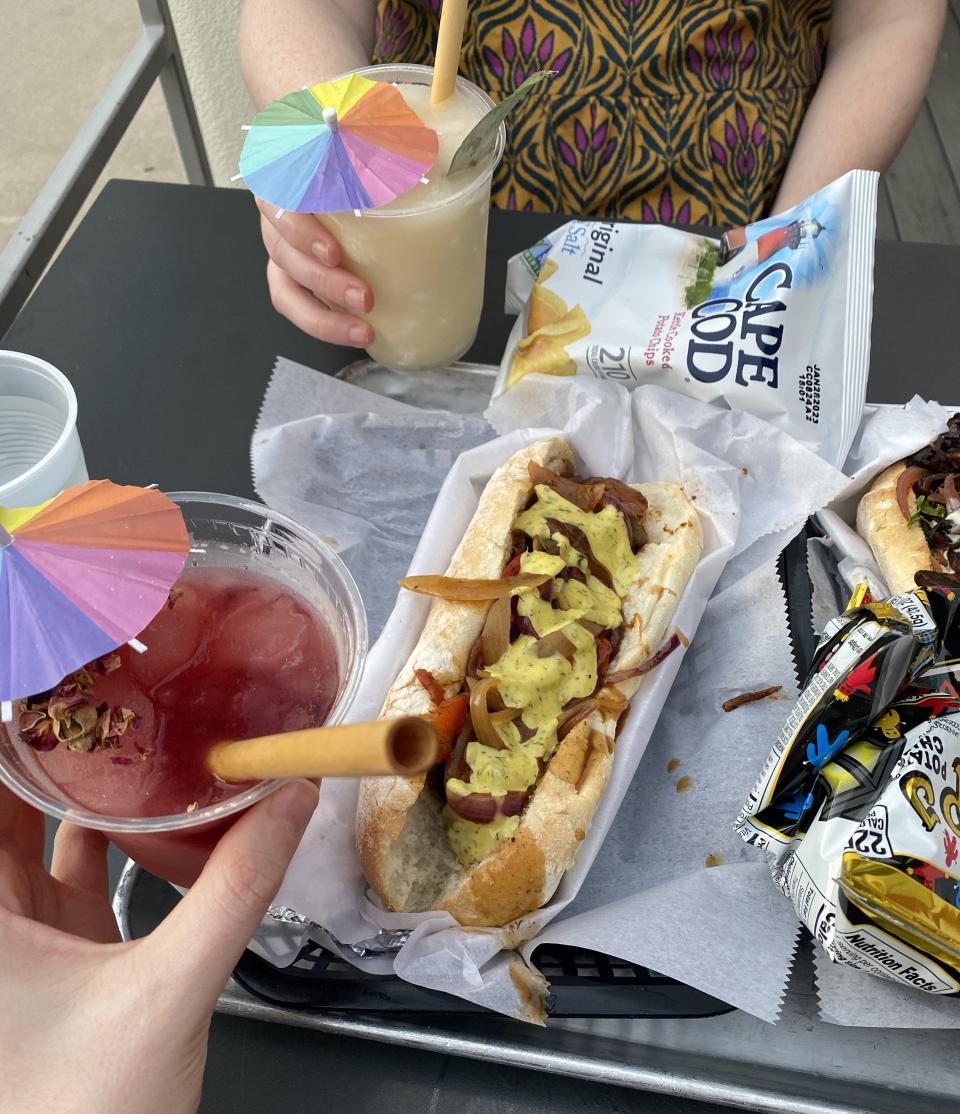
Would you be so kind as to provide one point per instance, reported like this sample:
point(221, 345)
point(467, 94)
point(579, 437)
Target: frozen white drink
point(423, 255)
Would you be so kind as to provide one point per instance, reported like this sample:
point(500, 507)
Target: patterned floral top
point(662, 110)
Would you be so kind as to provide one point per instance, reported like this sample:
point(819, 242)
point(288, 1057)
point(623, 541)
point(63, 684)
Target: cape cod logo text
point(748, 332)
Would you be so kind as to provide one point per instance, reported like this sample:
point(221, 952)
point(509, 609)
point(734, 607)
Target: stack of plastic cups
point(40, 451)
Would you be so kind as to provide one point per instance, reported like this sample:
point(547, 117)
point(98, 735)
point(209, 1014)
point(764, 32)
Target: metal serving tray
point(461, 388)
point(799, 1066)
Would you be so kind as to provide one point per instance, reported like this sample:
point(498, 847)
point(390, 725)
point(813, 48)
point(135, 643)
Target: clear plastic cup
point(40, 451)
point(226, 533)
point(424, 255)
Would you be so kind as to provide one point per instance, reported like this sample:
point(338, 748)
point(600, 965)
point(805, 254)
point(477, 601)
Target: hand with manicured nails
point(307, 284)
point(94, 1025)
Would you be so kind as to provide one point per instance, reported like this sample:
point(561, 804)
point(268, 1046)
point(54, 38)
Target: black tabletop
point(158, 313)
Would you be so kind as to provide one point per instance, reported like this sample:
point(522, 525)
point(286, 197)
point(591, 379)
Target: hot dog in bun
point(559, 598)
point(911, 514)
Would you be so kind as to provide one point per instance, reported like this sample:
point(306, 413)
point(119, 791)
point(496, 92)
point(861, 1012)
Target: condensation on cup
point(424, 254)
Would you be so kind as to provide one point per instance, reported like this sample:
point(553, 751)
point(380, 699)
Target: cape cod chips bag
point(773, 318)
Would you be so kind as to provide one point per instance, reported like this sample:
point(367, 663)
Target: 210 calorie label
point(614, 363)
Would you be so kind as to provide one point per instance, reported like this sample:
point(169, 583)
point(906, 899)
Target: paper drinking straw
point(453, 15)
point(406, 746)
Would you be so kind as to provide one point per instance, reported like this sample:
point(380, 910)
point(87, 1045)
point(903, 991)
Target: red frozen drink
point(235, 653)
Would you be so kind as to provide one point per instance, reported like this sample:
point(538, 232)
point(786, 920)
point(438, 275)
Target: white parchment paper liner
point(754, 487)
point(850, 997)
point(364, 470)
point(359, 469)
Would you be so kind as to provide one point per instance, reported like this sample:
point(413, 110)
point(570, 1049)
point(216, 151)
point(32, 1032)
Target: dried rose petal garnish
point(36, 728)
point(67, 714)
point(107, 664)
point(74, 719)
point(112, 723)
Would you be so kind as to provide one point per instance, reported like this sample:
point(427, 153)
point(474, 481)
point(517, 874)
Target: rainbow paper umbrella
point(80, 575)
point(347, 144)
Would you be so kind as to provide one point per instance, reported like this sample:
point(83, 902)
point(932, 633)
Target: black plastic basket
point(582, 984)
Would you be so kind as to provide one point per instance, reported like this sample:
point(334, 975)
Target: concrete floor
point(57, 57)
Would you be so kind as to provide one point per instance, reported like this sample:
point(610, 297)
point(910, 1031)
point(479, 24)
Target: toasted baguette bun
point(900, 550)
point(403, 847)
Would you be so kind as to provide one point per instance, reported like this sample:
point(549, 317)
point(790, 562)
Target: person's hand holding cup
point(90, 1023)
point(307, 283)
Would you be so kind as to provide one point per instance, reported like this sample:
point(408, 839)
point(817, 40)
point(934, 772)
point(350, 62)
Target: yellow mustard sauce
point(498, 771)
point(605, 530)
point(542, 563)
point(542, 687)
point(593, 601)
point(473, 842)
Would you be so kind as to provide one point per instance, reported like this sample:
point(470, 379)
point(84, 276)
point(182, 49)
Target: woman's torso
point(662, 110)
